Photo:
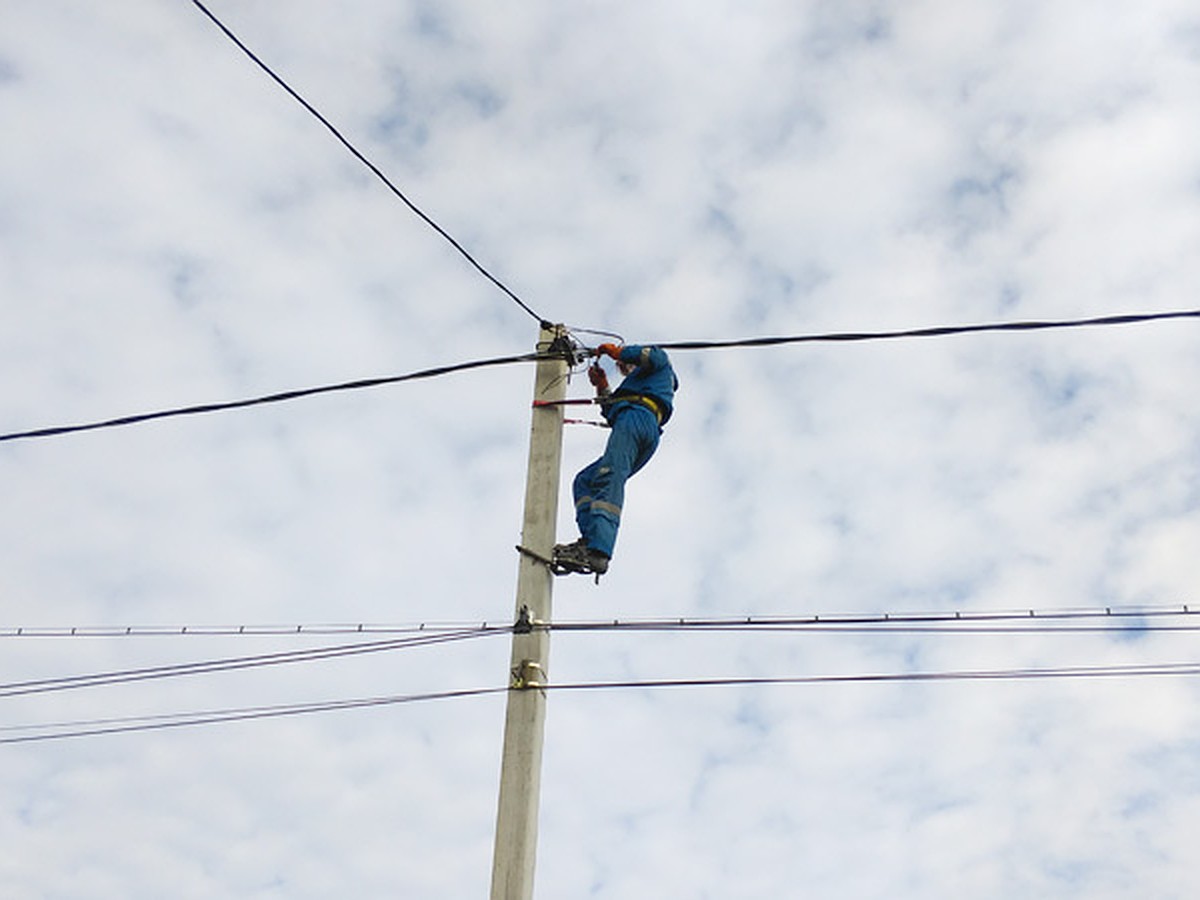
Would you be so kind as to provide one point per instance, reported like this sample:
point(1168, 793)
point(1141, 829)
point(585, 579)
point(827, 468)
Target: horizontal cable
point(149, 673)
point(1130, 619)
point(935, 331)
point(359, 384)
point(886, 620)
point(302, 630)
point(1107, 671)
point(137, 418)
point(95, 727)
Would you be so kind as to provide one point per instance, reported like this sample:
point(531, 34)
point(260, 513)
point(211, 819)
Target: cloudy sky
point(176, 230)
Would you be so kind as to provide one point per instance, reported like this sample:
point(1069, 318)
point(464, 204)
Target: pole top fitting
point(562, 347)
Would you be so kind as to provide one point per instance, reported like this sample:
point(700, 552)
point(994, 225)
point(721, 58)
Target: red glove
point(597, 377)
point(610, 350)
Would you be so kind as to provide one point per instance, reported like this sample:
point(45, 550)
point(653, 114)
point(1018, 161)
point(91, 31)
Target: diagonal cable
point(375, 170)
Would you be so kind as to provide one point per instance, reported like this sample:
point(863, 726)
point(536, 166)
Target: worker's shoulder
point(647, 355)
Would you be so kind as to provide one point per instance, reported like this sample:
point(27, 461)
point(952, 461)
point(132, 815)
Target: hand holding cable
point(599, 379)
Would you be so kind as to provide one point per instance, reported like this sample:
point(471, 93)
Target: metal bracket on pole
point(563, 346)
point(525, 675)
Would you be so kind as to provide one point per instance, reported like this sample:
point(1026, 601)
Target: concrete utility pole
point(524, 726)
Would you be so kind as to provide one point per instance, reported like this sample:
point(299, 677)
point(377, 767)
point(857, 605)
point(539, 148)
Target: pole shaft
point(524, 725)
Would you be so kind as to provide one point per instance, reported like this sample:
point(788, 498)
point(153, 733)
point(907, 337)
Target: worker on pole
point(637, 411)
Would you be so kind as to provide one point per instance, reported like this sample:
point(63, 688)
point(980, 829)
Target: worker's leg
point(600, 487)
point(583, 491)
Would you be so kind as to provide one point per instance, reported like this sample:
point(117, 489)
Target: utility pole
point(525, 721)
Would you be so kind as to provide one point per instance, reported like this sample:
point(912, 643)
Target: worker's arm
point(647, 358)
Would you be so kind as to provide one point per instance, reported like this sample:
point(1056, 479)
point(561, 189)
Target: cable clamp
point(525, 675)
point(561, 347)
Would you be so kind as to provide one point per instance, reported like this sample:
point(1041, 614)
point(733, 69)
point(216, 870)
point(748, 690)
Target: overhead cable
point(90, 728)
point(1023, 674)
point(831, 337)
point(345, 142)
point(299, 630)
point(1126, 618)
point(205, 667)
point(934, 331)
point(1108, 619)
point(359, 384)
point(94, 727)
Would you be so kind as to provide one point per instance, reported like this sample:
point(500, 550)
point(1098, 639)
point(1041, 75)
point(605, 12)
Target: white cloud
point(176, 230)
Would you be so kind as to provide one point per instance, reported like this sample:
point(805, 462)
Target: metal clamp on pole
point(525, 675)
point(559, 346)
point(564, 346)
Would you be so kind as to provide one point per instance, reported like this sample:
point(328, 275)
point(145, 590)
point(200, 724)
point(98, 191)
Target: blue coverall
point(636, 410)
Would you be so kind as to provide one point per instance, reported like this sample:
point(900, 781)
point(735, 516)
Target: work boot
point(579, 557)
point(597, 561)
point(572, 557)
point(577, 549)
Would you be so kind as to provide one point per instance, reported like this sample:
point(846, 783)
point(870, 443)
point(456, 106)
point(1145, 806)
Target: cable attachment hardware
point(581, 354)
point(525, 675)
point(566, 347)
point(563, 347)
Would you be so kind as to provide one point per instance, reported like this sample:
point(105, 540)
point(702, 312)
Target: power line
point(95, 727)
point(1130, 618)
point(830, 337)
point(363, 159)
point(935, 331)
point(1032, 621)
point(280, 397)
point(1109, 671)
point(1133, 619)
point(204, 667)
point(300, 630)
